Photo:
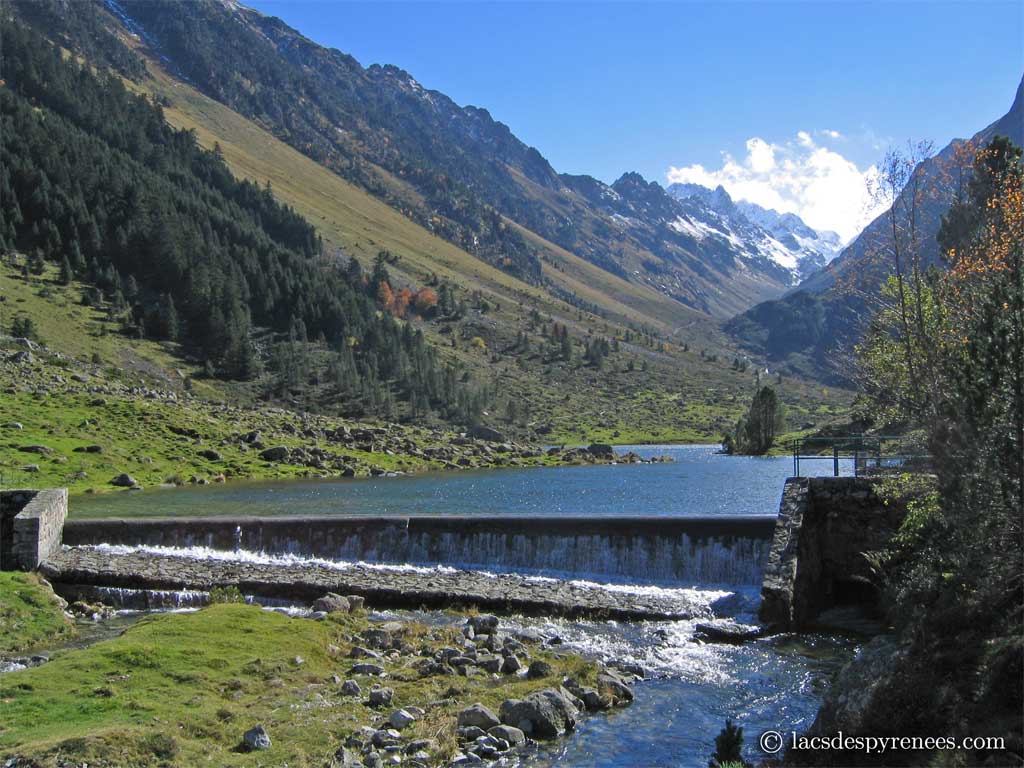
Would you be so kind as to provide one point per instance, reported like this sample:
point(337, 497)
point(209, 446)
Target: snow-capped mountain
point(783, 237)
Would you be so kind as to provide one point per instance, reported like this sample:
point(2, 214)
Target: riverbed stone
point(543, 715)
point(513, 736)
point(478, 715)
point(613, 685)
point(484, 623)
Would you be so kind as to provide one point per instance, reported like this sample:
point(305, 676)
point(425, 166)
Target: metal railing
point(871, 454)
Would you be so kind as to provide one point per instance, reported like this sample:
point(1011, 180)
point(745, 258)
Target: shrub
point(226, 595)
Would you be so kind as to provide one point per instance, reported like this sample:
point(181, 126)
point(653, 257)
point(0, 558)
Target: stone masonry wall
point(31, 527)
point(817, 558)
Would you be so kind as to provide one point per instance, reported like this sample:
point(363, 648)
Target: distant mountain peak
point(782, 237)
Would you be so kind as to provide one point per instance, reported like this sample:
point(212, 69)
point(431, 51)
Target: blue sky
point(604, 88)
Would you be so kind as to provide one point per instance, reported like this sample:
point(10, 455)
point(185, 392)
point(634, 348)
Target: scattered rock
point(279, 453)
point(479, 716)
point(331, 603)
point(730, 633)
point(351, 688)
point(42, 450)
point(483, 624)
point(368, 669)
point(608, 682)
point(380, 697)
point(124, 480)
point(256, 738)
point(401, 718)
point(508, 733)
point(480, 432)
point(544, 715)
point(538, 669)
point(211, 454)
point(355, 602)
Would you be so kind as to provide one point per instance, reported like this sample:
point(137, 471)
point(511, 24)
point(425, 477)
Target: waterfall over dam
point(721, 550)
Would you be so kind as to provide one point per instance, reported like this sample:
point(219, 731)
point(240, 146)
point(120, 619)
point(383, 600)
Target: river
point(691, 688)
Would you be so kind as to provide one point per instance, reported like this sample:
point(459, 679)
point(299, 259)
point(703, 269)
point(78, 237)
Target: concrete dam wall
point(653, 550)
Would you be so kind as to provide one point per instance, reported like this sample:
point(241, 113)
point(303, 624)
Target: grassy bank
point(181, 689)
point(30, 615)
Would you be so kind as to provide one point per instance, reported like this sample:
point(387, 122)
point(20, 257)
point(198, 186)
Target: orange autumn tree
point(949, 361)
point(426, 301)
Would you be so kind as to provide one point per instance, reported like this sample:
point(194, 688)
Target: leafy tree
point(755, 433)
point(948, 358)
point(24, 327)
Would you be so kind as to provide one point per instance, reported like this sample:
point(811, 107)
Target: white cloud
point(825, 189)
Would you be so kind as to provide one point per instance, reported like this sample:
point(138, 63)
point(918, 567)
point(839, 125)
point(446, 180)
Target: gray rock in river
point(543, 715)
point(508, 733)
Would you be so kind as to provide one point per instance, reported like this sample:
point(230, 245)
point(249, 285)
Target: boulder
point(478, 716)
point(401, 718)
point(491, 435)
point(590, 698)
point(538, 669)
point(124, 480)
point(345, 758)
point(351, 688)
point(210, 454)
point(368, 669)
point(484, 623)
point(380, 697)
point(726, 632)
point(42, 450)
point(544, 715)
point(611, 684)
point(355, 602)
point(510, 734)
point(278, 453)
point(511, 665)
point(256, 738)
point(331, 603)
point(385, 737)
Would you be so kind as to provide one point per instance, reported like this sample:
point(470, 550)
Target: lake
point(699, 481)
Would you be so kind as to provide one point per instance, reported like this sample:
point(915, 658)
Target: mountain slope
point(455, 170)
point(827, 311)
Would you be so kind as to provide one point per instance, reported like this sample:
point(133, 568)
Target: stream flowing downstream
point(691, 688)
